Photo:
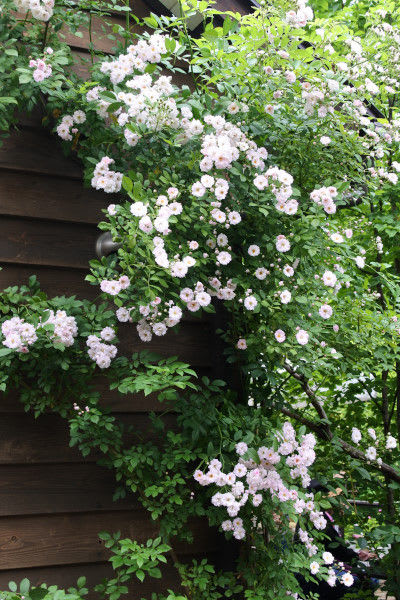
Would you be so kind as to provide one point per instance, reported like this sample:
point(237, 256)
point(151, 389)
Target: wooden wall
point(53, 503)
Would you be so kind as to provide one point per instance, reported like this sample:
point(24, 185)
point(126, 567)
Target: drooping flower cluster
point(41, 10)
point(105, 179)
point(147, 102)
point(42, 69)
point(325, 197)
point(19, 334)
point(221, 144)
point(99, 351)
point(301, 16)
point(65, 327)
point(66, 127)
point(249, 481)
point(136, 58)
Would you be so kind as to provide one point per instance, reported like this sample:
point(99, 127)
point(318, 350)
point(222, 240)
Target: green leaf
point(25, 78)
point(5, 351)
point(24, 586)
point(38, 593)
point(8, 100)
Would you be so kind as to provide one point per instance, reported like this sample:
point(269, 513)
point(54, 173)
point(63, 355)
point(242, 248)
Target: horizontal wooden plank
point(82, 63)
point(65, 539)
point(45, 440)
point(101, 32)
point(54, 281)
point(36, 541)
point(48, 243)
point(37, 151)
point(61, 488)
point(47, 197)
point(36, 118)
point(26, 440)
point(65, 576)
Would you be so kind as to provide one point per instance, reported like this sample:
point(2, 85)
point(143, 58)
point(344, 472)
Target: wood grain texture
point(54, 281)
point(45, 440)
point(102, 36)
point(60, 488)
point(45, 197)
point(25, 440)
point(65, 539)
point(48, 243)
point(35, 541)
point(36, 151)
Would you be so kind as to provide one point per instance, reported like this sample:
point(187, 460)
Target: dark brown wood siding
point(53, 503)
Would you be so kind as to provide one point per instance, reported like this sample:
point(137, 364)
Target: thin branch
point(314, 400)
point(323, 430)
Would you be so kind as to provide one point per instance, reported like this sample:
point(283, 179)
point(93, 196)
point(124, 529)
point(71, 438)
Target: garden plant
point(267, 188)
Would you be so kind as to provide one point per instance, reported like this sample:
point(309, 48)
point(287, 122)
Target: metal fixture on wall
point(105, 245)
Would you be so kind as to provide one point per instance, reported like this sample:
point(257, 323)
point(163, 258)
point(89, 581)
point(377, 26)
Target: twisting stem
point(46, 28)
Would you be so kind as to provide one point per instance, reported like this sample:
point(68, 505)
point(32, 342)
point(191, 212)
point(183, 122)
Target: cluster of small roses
point(19, 334)
point(302, 16)
point(161, 212)
point(338, 574)
point(113, 287)
point(41, 10)
point(334, 575)
point(148, 101)
point(280, 187)
point(42, 69)
point(64, 128)
point(194, 299)
point(153, 320)
point(100, 352)
point(137, 57)
point(149, 104)
point(65, 327)
point(324, 196)
point(105, 179)
point(219, 150)
point(384, 175)
point(264, 477)
point(371, 451)
point(365, 65)
point(315, 100)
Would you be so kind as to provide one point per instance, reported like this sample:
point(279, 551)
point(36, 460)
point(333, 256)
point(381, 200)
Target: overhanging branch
point(323, 430)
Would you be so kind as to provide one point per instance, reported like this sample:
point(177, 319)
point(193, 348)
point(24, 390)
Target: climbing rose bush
point(268, 187)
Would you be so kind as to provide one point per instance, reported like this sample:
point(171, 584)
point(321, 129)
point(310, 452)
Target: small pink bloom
point(280, 335)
